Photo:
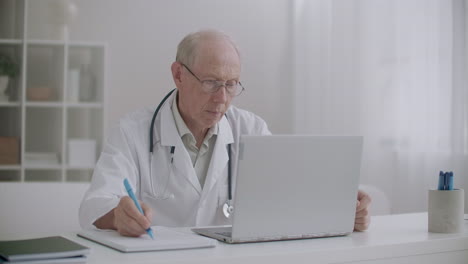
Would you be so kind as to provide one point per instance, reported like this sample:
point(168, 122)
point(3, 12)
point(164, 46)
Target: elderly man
point(180, 169)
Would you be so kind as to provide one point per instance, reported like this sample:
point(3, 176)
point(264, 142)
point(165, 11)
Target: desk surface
point(390, 239)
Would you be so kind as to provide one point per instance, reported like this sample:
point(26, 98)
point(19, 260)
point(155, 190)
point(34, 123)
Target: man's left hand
point(362, 219)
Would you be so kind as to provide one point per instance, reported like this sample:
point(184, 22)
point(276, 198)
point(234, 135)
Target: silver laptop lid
point(296, 186)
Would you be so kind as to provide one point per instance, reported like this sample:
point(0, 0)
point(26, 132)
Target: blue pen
point(132, 195)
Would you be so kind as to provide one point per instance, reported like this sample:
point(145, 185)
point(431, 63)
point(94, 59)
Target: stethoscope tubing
point(154, 118)
point(228, 203)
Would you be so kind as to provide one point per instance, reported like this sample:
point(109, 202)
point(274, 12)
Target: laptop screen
point(295, 185)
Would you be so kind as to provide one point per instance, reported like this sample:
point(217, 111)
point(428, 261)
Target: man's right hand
point(126, 219)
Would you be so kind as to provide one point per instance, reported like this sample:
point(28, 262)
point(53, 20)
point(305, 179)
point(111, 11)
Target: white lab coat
point(182, 201)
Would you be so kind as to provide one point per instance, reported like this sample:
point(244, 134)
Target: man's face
point(216, 60)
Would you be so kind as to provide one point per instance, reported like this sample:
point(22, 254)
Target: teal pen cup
point(446, 211)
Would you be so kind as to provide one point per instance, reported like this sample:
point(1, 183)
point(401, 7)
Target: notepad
point(70, 260)
point(165, 238)
point(54, 249)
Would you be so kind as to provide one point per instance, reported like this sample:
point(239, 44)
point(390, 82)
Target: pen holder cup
point(446, 211)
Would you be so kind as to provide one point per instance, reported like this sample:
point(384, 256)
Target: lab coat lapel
point(220, 157)
point(183, 166)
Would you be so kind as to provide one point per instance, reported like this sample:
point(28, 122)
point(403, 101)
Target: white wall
point(142, 37)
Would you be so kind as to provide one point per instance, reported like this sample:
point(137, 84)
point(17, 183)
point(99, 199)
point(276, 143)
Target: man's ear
point(176, 69)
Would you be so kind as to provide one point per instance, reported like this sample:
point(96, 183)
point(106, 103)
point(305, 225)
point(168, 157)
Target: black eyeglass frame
point(217, 83)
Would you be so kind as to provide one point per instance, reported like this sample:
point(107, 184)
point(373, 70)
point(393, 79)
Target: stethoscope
point(228, 207)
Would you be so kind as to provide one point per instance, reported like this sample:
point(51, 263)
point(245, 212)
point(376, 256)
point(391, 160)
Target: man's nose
point(221, 95)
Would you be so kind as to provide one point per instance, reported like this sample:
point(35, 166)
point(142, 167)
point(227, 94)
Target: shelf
point(10, 175)
point(10, 104)
point(12, 19)
point(9, 116)
point(85, 123)
point(42, 166)
point(44, 104)
point(85, 73)
point(79, 175)
point(43, 131)
point(10, 167)
point(84, 105)
point(45, 73)
point(14, 52)
point(11, 41)
point(43, 175)
point(68, 167)
point(45, 42)
point(86, 44)
point(51, 42)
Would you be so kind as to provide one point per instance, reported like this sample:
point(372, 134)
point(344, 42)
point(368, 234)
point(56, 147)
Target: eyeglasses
point(233, 88)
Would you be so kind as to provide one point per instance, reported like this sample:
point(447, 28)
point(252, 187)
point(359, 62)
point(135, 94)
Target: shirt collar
point(182, 127)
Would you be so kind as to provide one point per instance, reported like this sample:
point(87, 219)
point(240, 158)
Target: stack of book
point(54, 249)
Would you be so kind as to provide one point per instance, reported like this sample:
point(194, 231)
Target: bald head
point(190, 46)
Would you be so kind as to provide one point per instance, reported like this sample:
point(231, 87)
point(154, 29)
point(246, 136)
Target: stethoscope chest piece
point(228, 209)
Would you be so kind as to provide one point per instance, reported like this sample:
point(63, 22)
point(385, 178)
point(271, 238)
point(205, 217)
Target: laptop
point(293, 187)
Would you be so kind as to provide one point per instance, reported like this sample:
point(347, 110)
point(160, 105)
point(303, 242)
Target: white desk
point(390, 239)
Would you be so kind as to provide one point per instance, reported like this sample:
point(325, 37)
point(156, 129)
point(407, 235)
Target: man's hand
point(126, 219)
point(362, 219)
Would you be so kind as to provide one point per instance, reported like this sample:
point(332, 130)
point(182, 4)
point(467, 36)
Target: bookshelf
point(56, 105)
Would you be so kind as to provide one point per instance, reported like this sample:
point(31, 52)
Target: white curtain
point(394, 72)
